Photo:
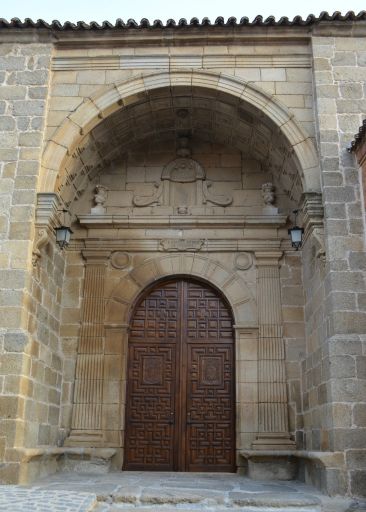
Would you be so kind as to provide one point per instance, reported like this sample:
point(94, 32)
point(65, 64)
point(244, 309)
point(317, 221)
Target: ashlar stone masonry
point(180, 152)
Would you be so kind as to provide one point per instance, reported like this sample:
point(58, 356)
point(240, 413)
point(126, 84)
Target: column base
point(89, 438)
point(273, 441)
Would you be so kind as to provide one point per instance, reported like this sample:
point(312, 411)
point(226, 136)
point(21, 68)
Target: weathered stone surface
point(122, 136)
point(15, 341)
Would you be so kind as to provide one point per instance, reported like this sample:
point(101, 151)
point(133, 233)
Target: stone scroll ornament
point(150, 200)
point(219, 200)
point(179, 175)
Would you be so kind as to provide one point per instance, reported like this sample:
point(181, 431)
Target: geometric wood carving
point(180, 396)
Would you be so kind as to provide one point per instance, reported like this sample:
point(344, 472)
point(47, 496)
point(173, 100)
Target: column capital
point(312, 210)
point(268, 258)
point(47, 211)
point(96, 256)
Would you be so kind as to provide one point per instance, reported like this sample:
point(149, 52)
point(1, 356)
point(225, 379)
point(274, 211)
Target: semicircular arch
point(98, 107)
point(122, 299)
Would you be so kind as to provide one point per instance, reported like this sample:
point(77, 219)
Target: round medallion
point(120, 259)
point(243, 261)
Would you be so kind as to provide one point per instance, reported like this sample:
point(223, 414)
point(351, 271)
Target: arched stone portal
point(101, 370)
point(132, 92)
point(187, 173)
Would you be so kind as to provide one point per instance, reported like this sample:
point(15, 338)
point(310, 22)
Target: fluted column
point(86, 427)
point(272, 386)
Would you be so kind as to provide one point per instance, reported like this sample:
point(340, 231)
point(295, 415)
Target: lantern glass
point(63, 235)
point(296, 236)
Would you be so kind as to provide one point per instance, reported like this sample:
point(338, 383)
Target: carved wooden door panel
point(209, 343)
point(180, 393)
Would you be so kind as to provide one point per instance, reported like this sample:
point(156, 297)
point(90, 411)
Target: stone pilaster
point(272, 386)
point(86, 426)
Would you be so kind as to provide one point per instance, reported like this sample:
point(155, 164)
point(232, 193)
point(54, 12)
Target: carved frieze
point(181, 245)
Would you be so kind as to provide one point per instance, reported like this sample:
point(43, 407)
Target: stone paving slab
point(165, 492)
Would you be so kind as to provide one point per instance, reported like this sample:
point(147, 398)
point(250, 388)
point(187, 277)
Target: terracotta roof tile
point(220, 21)
point(359, 137)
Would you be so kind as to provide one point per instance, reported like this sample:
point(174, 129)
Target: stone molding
point(268, 258)
point(123, 296)
point(250, 244)
point(161, 61)
point(96, 256)
point(126, 221)
point(48, 205)
point(96, 108)
point(313, 221)
point(47, 219)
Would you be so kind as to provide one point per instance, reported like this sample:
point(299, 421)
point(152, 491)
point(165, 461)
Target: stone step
point(169, 500)
point(114, 508)
point(199, 508)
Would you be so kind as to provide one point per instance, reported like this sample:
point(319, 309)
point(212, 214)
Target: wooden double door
point(180, 389)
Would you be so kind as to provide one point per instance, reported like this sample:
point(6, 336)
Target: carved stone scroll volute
point(149, 200)
point(183, 183)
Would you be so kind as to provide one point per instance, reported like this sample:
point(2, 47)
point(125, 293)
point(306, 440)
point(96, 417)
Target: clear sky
point(99, 10)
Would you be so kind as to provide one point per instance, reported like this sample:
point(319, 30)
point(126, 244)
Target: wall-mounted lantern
point(63, 233)
point(296, 233)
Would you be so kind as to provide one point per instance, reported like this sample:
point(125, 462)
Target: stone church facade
point(179, 329)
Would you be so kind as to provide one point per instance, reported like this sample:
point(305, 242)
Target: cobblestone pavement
point(14, 498)
point(166, 492)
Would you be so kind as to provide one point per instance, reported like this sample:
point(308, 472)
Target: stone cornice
point(312, 211)
point(166, 61)
point(47, 212)
point(268, 258)
point(152, 244)
point(96, 256)
point(179, 221)
point(313, 221)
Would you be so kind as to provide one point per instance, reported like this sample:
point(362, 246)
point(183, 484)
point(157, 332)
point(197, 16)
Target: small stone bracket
point(41, 241)
point(318, 235)
point(46, 221)
point(313, 218)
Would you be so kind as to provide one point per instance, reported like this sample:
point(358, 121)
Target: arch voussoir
point(94, 109)
point(131, 285)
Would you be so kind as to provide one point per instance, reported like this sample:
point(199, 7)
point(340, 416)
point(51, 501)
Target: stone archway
point(101, 363)
point(100, 106)
point(100, 386)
